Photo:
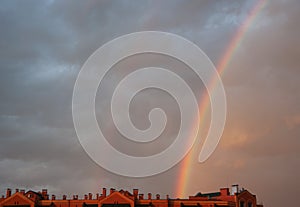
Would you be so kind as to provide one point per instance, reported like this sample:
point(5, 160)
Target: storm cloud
point(45, 43)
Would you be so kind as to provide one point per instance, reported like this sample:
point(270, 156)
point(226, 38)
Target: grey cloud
point(44, 44)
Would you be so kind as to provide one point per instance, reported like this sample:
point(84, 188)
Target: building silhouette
point(236, 198)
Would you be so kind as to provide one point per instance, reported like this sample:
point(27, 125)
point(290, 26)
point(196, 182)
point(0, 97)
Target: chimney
point(224, 191)
point(234, 189)
point(85, 196)
point(2, 196)
point(44, 193)
point(167, 197)
point(97, 196)
point(90, 196)
point(111, 190)
point(8, 192)
point(157, 196)
point(17, 190)
point(53, 197)
point(64, 197)
point(135, 193)
point(141, 196)
point(104, 192)
point(22, 192)
point(149, 196)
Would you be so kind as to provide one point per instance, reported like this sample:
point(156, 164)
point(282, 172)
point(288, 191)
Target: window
point(242, 203)
point(250, 204)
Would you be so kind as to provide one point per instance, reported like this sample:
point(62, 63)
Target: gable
point(116, 197)
point(17, 199)
point(247, 196)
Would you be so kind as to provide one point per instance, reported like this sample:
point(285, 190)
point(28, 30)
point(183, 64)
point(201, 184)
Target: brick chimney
point(8, 192)
point(149, 196)
point(90, 196)
point(104, 192)
point(97, 196)
point(157, 196)
point(167, 196)
point(85, 196)
point(135, 193)
point(111, 191)
point(64, 197)
point(44, 193)
point(22, 192)
point(141, 196)
point(17, 190)
point(53, 197)
point(224, 191)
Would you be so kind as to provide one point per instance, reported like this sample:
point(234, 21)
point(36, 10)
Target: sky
point(44, 44)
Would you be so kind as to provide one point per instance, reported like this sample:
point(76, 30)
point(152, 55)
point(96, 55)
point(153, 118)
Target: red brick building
point(235, 198)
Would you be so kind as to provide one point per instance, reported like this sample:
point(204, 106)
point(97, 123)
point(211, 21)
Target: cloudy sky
point(45, 43)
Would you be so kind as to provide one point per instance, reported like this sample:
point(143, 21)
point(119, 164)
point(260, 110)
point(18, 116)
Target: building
point(236, 198)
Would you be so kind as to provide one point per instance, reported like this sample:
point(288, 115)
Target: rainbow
point(235, 42)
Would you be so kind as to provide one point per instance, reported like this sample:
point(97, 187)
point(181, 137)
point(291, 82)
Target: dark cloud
point(45, 43)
